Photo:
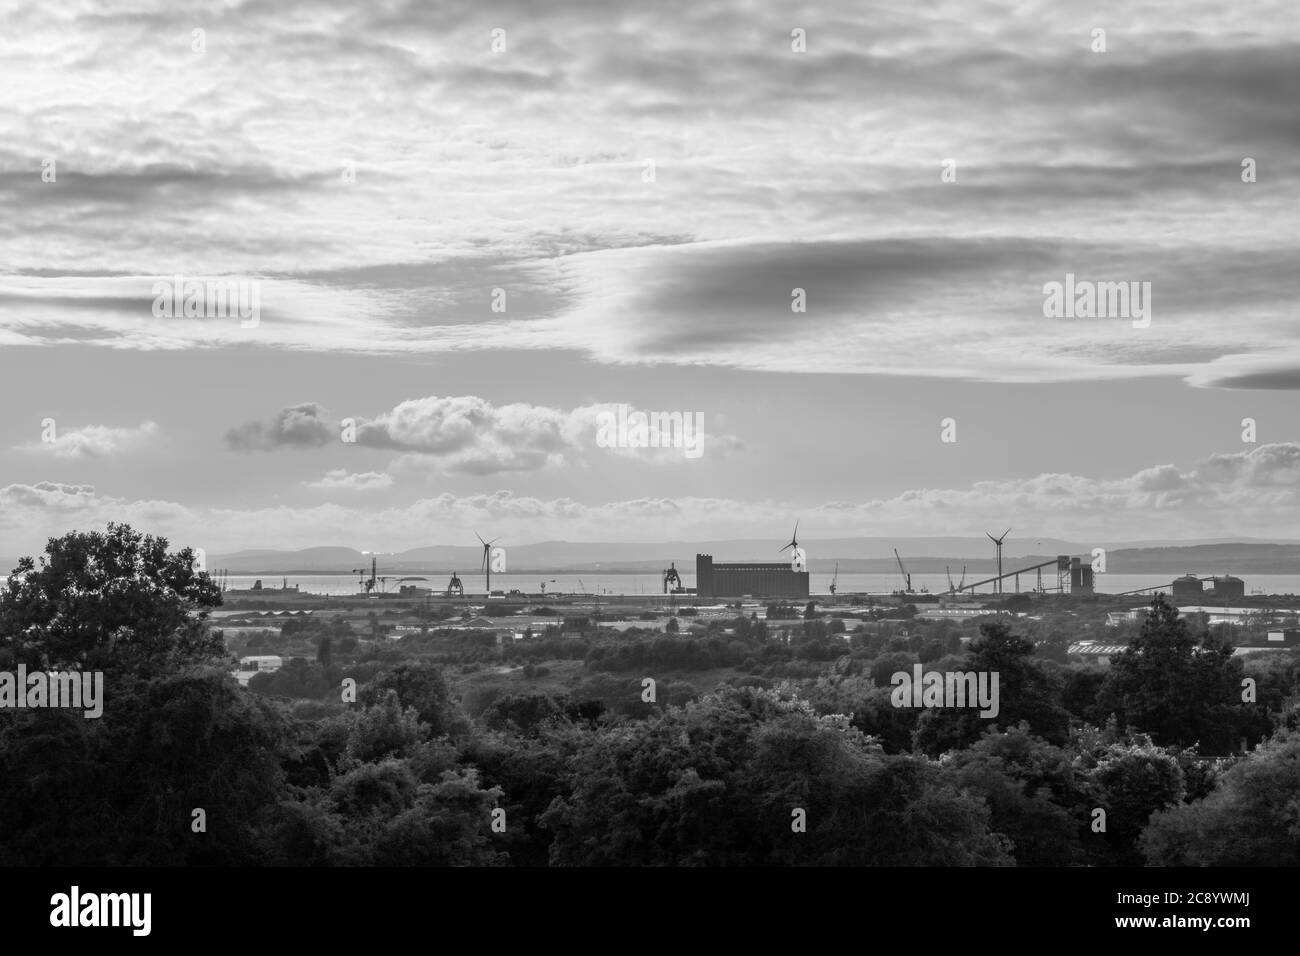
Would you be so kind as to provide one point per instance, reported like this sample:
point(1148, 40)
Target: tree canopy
point(99, 600)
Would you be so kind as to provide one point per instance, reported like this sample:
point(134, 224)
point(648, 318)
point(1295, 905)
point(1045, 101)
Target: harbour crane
point(368, 583)
point(671, 577)
point(907, 578)
point(954, 588)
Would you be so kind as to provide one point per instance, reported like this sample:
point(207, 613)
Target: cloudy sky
point(474, 226)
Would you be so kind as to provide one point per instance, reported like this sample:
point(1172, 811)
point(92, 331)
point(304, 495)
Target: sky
point(475, 229)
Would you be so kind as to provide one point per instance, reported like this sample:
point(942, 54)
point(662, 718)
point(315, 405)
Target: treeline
point(1141, 763)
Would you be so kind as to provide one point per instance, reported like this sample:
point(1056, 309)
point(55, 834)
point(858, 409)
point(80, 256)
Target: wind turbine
point(798, 560)
point(794, 538)
point(487, 559)
point(998, 542)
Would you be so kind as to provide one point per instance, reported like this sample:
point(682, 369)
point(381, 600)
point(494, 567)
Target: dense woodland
point(1188, 766)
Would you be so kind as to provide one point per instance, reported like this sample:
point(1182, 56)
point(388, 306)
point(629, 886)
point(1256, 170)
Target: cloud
point(1253, 493)
point(952, 307)
point(523, 171)
point(1263, 373)
point(31, 513)
point(471, 435)
point(466, 434)
point(92, 441)
point(299, 426)
point(341, 480)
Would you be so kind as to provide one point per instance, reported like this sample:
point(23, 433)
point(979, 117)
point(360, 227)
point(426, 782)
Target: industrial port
point(1068, 578)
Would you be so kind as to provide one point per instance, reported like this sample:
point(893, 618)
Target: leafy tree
point(530, 771)
point(449, 824)
point(1081, 686)
point(1250, 818)
point(523, 713)
point(1035, 797)
point(1027, 691)
point(297, 679)
point(382, 729)
point(1135, 780)
point(120, 790)
point(1179, 689)
point(423, 687)
point(379, 814)
point(716, 782)
point(887, 665)
point(102, 600)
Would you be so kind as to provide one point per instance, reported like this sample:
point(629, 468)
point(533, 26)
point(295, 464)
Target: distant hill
point(1234, 558)
point(921, 555)
point(325, 560)
point(854, 555)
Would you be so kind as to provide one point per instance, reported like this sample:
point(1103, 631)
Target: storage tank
point(1228, 588)
point(1188, 588)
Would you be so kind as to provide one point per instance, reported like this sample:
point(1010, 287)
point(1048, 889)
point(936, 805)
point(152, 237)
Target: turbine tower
point(998, 543)
point(487, 559)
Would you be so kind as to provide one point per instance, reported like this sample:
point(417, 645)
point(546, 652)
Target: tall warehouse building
point(748, 578)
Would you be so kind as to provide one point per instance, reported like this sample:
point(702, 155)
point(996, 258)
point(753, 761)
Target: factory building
point(748, 578)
